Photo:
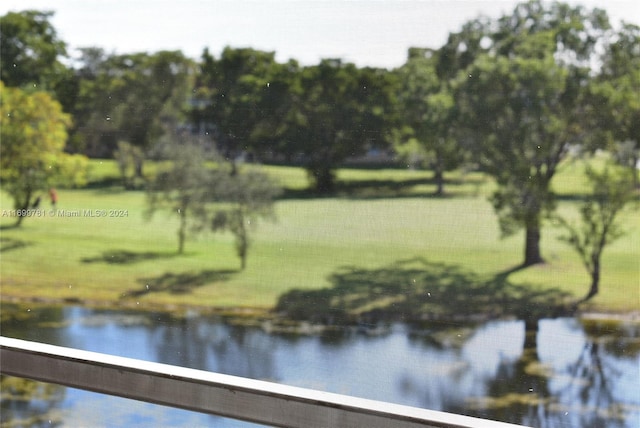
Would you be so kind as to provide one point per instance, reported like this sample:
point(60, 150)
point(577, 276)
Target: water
point(569, 374)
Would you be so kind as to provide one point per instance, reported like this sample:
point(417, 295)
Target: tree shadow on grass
point(407, 188)
point(125, 257)
point(8, 244)
point(417, 291)
point(374, 189)
point(388, 189)
point(179, 283)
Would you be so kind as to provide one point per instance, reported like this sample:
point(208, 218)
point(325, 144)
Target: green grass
point(378, 219)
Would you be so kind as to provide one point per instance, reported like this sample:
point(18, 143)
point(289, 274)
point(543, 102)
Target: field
point(381, 221)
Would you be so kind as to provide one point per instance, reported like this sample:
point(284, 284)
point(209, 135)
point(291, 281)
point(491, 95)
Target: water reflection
point(566, 374)
point(564, 377)
point(200, 343)
point(28, 403)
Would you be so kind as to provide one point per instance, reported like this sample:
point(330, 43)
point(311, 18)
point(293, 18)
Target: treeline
point(511, 96)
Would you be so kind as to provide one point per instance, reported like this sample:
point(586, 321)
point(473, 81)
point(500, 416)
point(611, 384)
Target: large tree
point(129, 98)
point(320, 115)
point(33, 131)
point(339, 111)
point(32, 54)
point(521, 102)
point(230, 94)
point(30, 51)
point(615, 97)
point(427, 108)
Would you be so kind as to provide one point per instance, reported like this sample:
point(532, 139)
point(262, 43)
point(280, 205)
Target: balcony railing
point(213, 393)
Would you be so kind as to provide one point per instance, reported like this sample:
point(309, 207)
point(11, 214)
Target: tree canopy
point(340, 111)
point(33, 130)
point(129, 97)
point(30, 51)
point(230, 95)
point(614, 97)
point(522, 103)
point(427, 108)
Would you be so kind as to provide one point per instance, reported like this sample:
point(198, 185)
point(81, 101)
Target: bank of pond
point(571, 372)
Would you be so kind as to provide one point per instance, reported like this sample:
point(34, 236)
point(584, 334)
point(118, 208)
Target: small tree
point(129, 159)
point(611, 190)
point(183, 187)
point(33, 131)
point(246, 197)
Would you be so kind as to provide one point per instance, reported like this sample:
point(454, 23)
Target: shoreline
point(260, 315)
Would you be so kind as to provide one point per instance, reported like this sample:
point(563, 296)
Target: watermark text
point(67, 213)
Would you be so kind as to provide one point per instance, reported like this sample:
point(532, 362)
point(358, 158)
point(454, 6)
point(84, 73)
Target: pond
point(571, 373)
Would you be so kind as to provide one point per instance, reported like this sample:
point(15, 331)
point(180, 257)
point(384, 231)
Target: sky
point(373, 33)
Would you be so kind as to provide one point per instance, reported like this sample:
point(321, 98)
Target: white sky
point(367, 32)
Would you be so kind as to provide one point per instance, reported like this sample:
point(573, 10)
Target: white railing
point(213, 393)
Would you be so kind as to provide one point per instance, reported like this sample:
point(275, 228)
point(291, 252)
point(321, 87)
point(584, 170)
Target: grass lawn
point(380, 221)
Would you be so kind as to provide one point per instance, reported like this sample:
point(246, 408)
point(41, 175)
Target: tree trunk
point(234, 166)
point(634, 171)
point(532, 254)
point(242, 241)
point(24, 207)
point(20, 210)
point(595, 280)
point(139, 163)
point(182, 231)
point(531, 329)
point(439, 178)
point(324, 180)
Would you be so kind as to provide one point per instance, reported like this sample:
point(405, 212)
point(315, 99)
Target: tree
point(130, 98)
point(515, 109)
point(521, 103)
point(182, 187)
point(244, 198)
point(271, 137)
point(229, 98)
point(33, 130)
point(321, 114)
point(339, 111)
point(611, 190)
point(614, 100)
point(217, 196)
point(128, 158)
point(463, 48)
point(30, 49)
point(427, 109)
point(31, 53)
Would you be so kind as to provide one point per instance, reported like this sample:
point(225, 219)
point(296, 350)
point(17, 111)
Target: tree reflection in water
point(536, 392)
point(198, 343)
point(27, 403)
point(568, 373)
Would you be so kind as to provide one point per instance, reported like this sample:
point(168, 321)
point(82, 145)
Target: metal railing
point(213, 393)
